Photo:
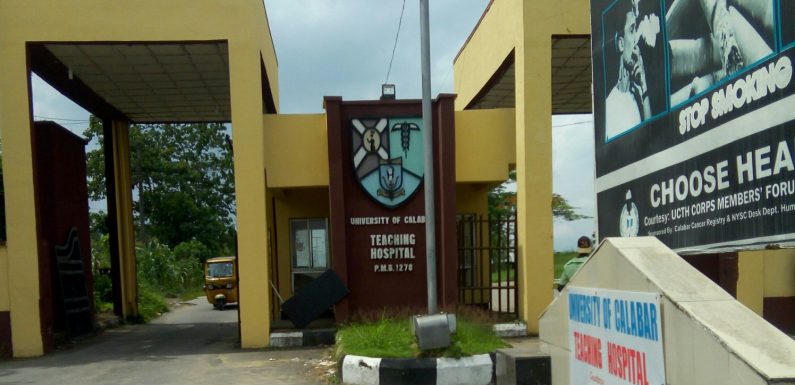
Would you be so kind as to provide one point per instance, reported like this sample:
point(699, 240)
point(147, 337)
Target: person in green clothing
point(571, 267)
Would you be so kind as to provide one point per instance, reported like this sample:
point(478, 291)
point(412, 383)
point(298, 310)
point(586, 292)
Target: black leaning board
point(314, 298)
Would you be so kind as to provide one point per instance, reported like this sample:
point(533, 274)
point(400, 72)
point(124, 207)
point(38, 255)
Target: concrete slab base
point(474, 370)
point(292, 339)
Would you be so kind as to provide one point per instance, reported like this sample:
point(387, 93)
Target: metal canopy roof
point(571, 79)
point(153, 82)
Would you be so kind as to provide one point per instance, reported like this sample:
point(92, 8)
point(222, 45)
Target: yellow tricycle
point(220, 281)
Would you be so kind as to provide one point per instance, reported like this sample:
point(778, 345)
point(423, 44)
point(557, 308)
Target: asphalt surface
point(192, 344)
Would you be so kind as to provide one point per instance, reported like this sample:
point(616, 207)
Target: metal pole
point(430, 217)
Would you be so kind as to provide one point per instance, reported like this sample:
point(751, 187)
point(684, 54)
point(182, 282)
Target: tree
point(562, 209)
point(182, 179)
point(502, 202)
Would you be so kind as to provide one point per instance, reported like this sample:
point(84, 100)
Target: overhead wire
point(573, 123)
point(61, 119)
point(394, 47)
point(442, 83)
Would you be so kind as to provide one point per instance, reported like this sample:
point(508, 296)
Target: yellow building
point(525, 61)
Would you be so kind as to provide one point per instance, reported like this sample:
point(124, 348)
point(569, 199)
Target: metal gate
point(487, 262)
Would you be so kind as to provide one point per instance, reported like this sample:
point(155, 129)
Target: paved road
point(193, 344)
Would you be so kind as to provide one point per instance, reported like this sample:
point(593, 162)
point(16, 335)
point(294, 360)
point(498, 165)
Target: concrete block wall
point(708, 336)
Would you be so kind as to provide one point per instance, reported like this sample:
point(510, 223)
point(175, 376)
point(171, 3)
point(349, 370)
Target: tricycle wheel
point(219, 304)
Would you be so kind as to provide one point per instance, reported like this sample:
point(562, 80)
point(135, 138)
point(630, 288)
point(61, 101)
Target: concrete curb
point(510, 330)
point(293, 339)
point(474, 370)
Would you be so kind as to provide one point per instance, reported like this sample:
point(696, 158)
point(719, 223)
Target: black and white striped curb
point(474, 370)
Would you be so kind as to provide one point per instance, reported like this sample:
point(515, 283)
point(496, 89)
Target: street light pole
point(430, 217)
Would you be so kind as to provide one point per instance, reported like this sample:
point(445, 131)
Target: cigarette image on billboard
point(634, 65)
point(709, 40)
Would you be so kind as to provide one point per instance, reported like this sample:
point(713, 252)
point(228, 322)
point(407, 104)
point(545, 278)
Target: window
point(219, 269)
point(308, 249)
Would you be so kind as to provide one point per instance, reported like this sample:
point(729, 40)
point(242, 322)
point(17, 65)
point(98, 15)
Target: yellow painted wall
point(526, 27)
point(296, 150)
point(472, 198)
point(751, 279)
point(3, 278)
point(765, 273)
point(295, 204)
point(779, 273)
point(486, 49)
point(484, 144)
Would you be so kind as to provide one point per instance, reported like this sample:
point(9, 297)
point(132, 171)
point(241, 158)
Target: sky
point(343, 48)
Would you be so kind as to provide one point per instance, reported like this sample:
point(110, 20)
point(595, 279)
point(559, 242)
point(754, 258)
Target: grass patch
point(385, 338)
point(392, 338)
point(475, 338)
point(561, 257)
point(506, 273)
point(150, 303)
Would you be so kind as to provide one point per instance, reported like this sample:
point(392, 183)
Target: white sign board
point(615, 337)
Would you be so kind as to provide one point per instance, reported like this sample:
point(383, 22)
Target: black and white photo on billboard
point(786, 22)
point(709, 40)
point(634, 65)
point(714, 169)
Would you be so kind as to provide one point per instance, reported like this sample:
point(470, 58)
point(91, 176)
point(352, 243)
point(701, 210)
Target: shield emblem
point(387, 155)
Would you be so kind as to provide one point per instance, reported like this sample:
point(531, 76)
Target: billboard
point(615, 337)
point(694, 118)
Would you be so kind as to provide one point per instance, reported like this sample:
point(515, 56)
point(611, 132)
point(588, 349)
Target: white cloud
point(344, 48)
point(573, 175)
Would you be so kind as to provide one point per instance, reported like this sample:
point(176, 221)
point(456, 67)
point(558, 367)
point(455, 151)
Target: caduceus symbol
point(405, 129)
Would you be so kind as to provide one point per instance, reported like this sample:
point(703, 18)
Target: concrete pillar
point(250, 187)
point(534, 175)
point(533, 82)
point(22, 239)
point(124, 218)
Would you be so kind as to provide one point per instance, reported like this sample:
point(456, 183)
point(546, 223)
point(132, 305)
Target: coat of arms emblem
point(388, 158)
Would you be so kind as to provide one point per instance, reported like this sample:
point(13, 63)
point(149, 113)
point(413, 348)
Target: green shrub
point(159, 267)
point(103, 289)
point(100, 254)
point(150, 303)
